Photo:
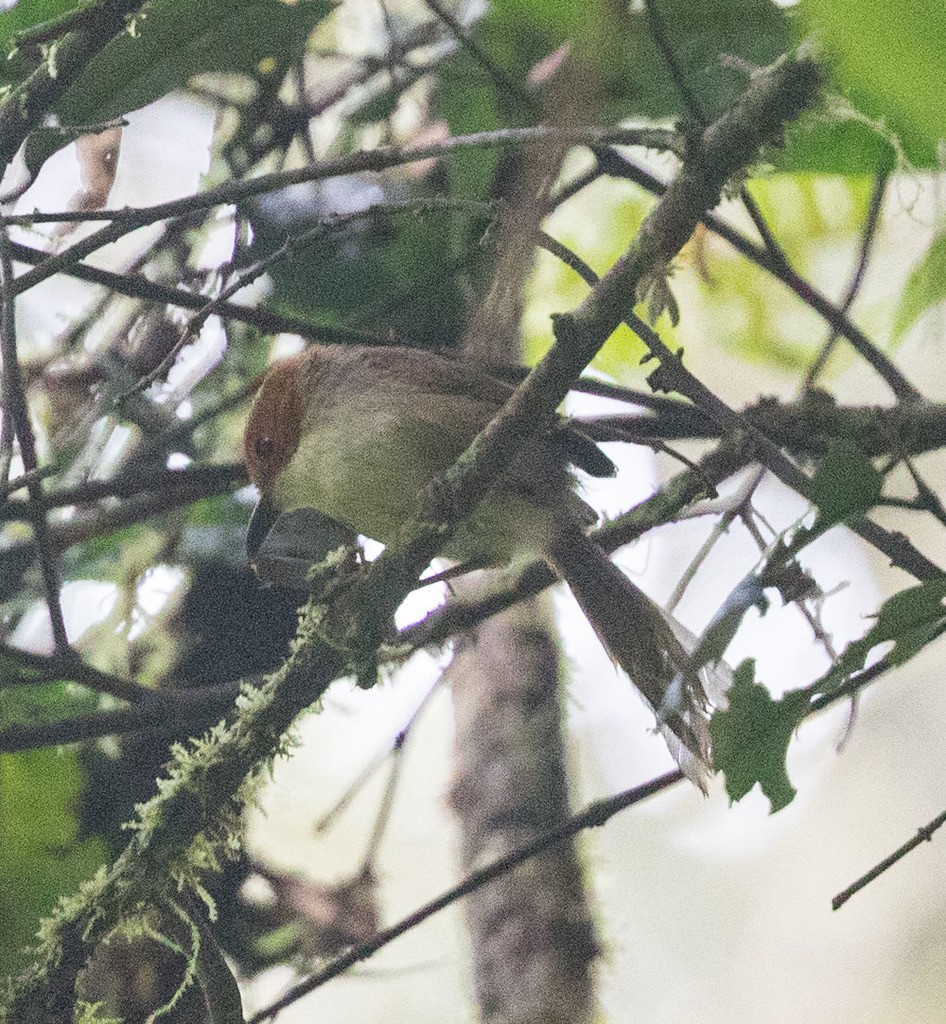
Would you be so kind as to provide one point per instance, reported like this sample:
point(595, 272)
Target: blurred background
point(702, 909)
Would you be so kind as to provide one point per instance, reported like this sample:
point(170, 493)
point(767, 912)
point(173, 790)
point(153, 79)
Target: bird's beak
point(261, 522)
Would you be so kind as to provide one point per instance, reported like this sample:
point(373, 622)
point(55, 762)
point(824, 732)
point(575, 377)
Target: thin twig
point(393, 57)
point(776, 252)
point(181, 712)
point(44, 668)
point(422, 284)
point(136, 480)
point(740, 506)
point(383, 813)
point(923, 835)
point(130, 218)
point(139, 287)
point(138, 509)
point(176, 436)
point(25, 479)
point(620, 166)
point(16, 410)
point(867, 241)
point(927, 498)
point(7, 440)
point(368, 772)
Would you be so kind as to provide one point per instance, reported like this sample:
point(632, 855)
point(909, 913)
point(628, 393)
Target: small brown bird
point(357, 432)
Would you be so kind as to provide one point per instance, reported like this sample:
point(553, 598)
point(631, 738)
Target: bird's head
point(275, 424)
point(270, 440)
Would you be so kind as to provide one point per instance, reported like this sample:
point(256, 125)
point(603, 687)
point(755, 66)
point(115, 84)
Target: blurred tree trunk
point(532, 941)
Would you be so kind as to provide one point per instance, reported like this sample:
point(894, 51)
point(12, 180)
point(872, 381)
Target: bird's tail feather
point(651, 648)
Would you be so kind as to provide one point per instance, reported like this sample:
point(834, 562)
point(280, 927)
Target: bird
point(357, 432)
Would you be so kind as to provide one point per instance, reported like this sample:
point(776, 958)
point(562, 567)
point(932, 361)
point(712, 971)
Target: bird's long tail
point(650, 647)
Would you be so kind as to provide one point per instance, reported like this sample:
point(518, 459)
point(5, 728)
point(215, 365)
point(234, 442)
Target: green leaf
point(169, 43)
point(174, 41)
point(845, 483)
point(466, 99)
point(29, 13)
point(910, 620)
point(16, 63)
point(895, 50)
point(925, 287)
point(751, 737)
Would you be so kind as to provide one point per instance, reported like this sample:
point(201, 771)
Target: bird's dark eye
point(263, 449)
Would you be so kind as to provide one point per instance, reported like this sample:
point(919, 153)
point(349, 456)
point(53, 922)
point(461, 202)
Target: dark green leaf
point(845, 483)
point(175, 40)
point(910, 620)
point(751, 737)
point(29, 13)
point(399, 267)
point(168, 44)
point(26, 14)
point(467, 100)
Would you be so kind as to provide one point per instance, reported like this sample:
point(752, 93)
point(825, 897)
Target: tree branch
point(16, 410)
point(923, 835)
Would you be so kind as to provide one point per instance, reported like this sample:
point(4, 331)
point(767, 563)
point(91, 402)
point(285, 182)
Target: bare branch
point(923, 835)
point(15, 410)
point(857, 279)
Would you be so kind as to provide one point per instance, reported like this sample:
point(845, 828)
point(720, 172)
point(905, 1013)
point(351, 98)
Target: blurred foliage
point(925, 287)
point(748, 312)
point(163, 47)
point(890, 57)
point(41, 854)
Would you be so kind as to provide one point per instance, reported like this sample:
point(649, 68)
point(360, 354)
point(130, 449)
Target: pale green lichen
point(51, 52)
point(94, 1013)
point(135, 18)
point(189, 975)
